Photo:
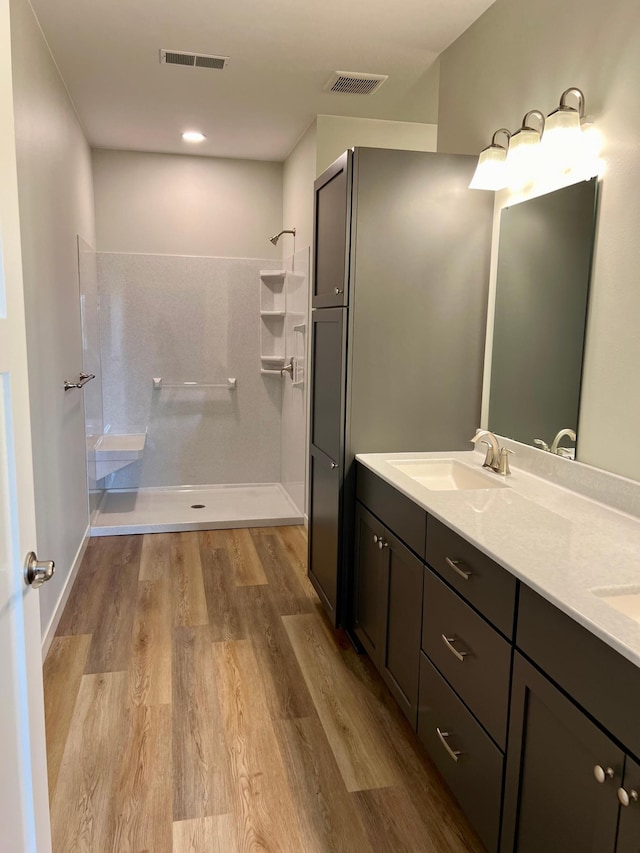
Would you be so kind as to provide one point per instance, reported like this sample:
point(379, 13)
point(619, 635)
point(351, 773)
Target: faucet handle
point(503, 464)
point(541, 444)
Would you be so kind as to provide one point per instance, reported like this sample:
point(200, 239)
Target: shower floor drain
point(198, 506)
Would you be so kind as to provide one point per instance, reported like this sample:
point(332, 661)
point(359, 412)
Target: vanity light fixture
point(490, 173)
point(193, 136)
point(563, 142)
point(524, 150)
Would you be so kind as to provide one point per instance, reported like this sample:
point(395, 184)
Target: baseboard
point(64, 597)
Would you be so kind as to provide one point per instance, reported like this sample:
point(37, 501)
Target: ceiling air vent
point(192, 60)
point(354, 83)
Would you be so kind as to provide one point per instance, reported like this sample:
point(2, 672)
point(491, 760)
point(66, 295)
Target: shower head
point(276, 237)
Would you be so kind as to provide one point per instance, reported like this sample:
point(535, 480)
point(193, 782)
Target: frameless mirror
point(544, 265)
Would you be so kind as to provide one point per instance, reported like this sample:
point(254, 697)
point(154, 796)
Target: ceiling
point(282, 53)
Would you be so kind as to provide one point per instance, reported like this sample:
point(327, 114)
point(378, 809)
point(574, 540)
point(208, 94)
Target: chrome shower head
point(276, 237)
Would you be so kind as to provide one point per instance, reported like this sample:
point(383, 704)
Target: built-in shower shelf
point(273, 313)
point(112, 452)
point(273, 359)
point(273, 278)
point(300, 327)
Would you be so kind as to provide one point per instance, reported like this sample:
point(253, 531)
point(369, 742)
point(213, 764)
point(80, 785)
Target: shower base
point(169, 510)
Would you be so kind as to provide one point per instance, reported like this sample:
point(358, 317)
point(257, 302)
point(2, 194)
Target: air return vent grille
point(192, 60)
point(354, 83)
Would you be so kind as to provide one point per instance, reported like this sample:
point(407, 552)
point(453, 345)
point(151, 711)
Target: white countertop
point(558, 542)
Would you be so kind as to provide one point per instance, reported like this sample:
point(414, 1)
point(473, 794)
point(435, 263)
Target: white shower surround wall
point(183, 319)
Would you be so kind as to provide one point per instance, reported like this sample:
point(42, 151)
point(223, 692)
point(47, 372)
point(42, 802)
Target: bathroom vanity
point(494, 609)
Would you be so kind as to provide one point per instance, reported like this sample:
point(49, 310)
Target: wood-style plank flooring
point(197, 700)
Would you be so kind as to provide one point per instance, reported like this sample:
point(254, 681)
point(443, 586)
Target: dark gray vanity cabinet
point(369, 574)
point(575, 709)
point(553, 801)
point(332, 202)
point(532, 720)
point(387, 603)
point(400, 281)
point(629, 826)
point(326, 454)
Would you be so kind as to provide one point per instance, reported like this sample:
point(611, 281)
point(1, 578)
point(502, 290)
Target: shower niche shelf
point(273, 309)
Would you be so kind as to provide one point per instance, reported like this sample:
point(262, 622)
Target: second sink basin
point(625, 600)
point(442, 475)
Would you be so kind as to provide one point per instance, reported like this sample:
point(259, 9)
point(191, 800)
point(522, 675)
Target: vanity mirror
point(542, 285)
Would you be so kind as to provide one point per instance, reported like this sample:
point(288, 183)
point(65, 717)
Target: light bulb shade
point(490, 171)
point(523, 159)
point(562, 139)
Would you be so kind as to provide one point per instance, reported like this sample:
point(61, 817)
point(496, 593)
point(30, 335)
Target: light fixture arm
point(573, 90)
point(525, 121)
point(507, 134)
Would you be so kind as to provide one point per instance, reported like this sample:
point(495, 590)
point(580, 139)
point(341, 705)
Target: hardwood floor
point(197, 700)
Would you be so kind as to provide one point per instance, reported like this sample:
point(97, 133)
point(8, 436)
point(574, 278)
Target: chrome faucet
point(556, 441)
point(496, 458)
point(492, 456)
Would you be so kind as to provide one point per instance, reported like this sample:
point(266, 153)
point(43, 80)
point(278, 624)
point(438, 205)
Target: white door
point(24, 806)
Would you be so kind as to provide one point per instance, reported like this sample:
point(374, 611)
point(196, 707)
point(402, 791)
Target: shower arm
point(276, 237)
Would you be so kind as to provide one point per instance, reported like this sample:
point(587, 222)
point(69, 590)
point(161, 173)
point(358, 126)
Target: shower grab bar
point(158, 384)
point(83, 378)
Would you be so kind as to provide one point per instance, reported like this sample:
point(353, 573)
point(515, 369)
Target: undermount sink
point(446, 475)
point(626, 600)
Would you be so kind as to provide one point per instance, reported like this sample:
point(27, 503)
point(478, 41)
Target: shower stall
point(199, 405)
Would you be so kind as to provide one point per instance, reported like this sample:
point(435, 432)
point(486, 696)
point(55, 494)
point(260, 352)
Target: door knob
point(627, 797)
point(37, 572)
point(603, 774)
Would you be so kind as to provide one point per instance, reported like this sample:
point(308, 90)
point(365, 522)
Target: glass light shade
point(562, 140)
point(490, 171)
point(523, 161)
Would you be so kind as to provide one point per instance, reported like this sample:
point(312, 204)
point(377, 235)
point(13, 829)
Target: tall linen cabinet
point(400, 284)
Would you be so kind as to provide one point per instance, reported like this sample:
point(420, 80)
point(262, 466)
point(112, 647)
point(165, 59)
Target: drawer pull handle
point(449, 641)
point(459, 568)
point(602, 775)
point(454, 753)
point(627, 797)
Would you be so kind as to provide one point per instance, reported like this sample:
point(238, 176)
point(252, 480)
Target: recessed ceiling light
point(193, 136)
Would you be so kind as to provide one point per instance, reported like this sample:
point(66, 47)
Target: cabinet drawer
point(401, 515)
point(475, 774)
point(481, 677)
point(598, 678)
point(478, 579)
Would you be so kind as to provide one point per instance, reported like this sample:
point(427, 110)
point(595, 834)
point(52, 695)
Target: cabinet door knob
point(375, 538)
point(334, 465)
point(382, 544)
point(337, 291)
point(627, 797)
point(603, 774)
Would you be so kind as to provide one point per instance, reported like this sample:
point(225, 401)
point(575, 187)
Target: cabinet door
point(332, 217)
point(324, 528)
point(370, 573)
point(328, 376)
point(629, 832)
point(403, 625)
point(553, 800)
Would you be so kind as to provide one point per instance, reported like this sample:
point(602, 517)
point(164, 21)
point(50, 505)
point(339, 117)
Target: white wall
point(56, 204)
point(337, 133)
point(521, 55)
point(299, 173)
point(188, 319)
point(180, 205)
